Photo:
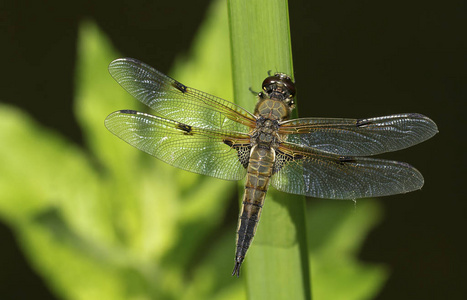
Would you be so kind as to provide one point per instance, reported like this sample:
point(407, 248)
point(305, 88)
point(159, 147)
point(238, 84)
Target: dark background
point(352, 59)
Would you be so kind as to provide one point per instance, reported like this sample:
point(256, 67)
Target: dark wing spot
point(182, 88)
point(128, 111)
point(243, 151)
point(346, 159)
point(297, 156)
point(184, 127)
point(363, 123)
point(283, 159)
point(228, 143)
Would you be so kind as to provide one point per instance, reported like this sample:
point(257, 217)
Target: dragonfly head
point(279, 87)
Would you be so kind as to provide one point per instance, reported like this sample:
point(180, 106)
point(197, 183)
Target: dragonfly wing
point(325, 175)
point(203, 151)
point(172, 100)
point(359, 137)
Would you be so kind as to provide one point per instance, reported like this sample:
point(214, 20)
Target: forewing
point(359, 137)
point(172, 100)
point(319, 174)
point(197, 150)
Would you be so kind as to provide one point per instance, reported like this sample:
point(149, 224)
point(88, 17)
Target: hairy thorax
point(269, 112)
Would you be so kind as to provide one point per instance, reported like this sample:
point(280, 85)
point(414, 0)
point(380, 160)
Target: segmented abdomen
point(257, 181)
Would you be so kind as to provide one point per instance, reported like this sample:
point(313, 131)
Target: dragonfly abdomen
point(257, 183)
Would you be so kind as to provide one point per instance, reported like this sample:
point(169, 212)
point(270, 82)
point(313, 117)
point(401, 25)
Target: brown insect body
point(274, 105)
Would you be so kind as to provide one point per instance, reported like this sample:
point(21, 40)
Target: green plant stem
point(276, 266)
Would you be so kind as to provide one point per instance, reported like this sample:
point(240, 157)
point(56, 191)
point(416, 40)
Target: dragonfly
point(316, 157)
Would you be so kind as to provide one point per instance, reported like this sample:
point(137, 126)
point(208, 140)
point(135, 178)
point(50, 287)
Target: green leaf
point(277, 263)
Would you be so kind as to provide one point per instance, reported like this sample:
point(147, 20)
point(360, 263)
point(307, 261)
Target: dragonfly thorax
point(272, 109)
point(265, 134)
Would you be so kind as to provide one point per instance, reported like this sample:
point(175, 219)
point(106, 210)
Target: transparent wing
point(172, 100)
point(197, 150)
point(360, 137)
point(319, 174)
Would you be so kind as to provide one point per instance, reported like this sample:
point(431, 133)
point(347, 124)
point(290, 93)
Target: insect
point(316, 157)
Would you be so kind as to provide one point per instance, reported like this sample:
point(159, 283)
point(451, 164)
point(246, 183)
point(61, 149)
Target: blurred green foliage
point(110, 222)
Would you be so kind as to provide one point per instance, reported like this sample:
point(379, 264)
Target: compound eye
point(280, 81)
point(289, 85)
point(269, 81)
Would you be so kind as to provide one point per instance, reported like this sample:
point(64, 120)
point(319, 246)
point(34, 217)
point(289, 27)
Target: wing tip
point(431, 125)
